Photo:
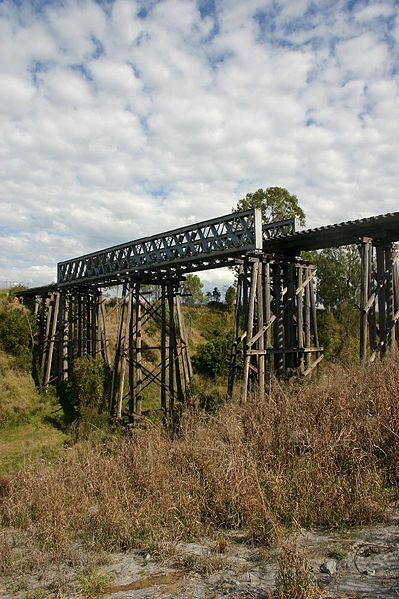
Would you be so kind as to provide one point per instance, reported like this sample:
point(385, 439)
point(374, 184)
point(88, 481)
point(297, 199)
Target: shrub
point(17, 328)
point(212, 358)
point(84, 396)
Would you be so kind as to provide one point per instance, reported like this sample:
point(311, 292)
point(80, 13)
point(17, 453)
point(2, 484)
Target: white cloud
point(116, 125)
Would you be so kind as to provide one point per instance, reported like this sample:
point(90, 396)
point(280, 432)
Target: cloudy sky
point(129, 117)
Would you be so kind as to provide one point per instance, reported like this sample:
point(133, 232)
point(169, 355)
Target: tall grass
point(325, 453)
point(18, 395)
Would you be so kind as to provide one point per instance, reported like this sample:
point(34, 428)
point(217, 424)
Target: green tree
point(230, 297)
point(216, 295)
point(83, 397)
point(192, 286)
point(212, 358)
point(338, 291)
point(338, 274)
point(276, 204)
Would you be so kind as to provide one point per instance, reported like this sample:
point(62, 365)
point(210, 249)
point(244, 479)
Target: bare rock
point(329, 567)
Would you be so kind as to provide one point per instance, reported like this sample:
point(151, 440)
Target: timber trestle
point(275, 325)
point(277, 332)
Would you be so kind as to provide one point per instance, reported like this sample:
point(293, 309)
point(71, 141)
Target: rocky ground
point(362, 563)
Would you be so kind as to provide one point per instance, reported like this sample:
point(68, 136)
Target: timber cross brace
point(275, 320)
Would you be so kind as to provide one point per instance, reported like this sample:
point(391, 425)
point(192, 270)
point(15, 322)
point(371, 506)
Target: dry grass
point(325, 454)
point(294, 579)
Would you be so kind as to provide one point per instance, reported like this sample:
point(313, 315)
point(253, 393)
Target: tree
point(338, 274)
point(230, 297)
point(338, 291)
point(276, 204)
point(212, 358)
point(216, 295)
point(193, 287)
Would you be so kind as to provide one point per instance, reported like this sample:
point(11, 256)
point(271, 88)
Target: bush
point(212, 358)
point(17, 327)
point(84, 396)
point(19, 397)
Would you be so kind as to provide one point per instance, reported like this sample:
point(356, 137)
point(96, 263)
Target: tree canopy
point(338, 273)
point(192, 286)
point(276, 204)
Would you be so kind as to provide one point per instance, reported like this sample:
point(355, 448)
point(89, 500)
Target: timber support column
point(379, 299)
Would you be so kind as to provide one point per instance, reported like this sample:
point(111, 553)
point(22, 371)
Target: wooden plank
point(118, 351)
point(53, 332)
point(163, 350)
point(365, 250)
point(251, 314)
point(313, 365)
point(236, 340)
point(381, 279)
point(261, 326)
point(300, 334)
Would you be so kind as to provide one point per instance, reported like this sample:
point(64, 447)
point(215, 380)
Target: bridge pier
point(73, 324)
point(275, 325)
point(136, 365)
point(379, 301)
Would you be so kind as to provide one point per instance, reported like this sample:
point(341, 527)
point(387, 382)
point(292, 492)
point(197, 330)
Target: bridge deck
point(384, 227)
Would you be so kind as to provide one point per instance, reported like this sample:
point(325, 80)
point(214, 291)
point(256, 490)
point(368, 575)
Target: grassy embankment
point(27, 430)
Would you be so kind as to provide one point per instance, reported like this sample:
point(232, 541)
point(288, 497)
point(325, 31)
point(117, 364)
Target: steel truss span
point(209, 244)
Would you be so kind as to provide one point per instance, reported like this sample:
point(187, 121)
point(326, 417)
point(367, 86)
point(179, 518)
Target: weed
point(337, 554)
point(39, 594)
point(294, 579)
point(201, 564)
point(92, 584)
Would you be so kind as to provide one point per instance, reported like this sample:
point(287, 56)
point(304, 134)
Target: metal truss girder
point(214, 242)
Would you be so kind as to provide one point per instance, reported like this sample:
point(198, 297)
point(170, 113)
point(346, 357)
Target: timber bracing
point(379, 302)
point(275, 324)
point(72, 326)
point(275, 329)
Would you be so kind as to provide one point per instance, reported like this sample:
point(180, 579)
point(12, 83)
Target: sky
point(120, 119)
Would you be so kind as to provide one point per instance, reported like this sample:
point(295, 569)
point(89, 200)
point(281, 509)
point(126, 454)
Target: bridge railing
point(226, 237)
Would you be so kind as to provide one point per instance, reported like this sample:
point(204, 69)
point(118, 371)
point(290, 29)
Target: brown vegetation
point(319, 454)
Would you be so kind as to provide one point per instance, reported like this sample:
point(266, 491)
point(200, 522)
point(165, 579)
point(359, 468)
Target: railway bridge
point(275, 323)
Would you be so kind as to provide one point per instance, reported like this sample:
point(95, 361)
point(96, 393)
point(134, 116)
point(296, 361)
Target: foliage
point(338, 291)
point(230, 297)
point(213, 297)
point(193, 285)
point(276, 204)
point(17, 327)
point(339, 332)
point(18, 395)
point(338, 273)
point(84, 396)
point(211, 358)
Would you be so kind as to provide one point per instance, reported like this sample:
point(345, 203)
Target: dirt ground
point(366, 560)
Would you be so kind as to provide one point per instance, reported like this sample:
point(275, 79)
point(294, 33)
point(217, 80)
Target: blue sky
point(121, 119)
